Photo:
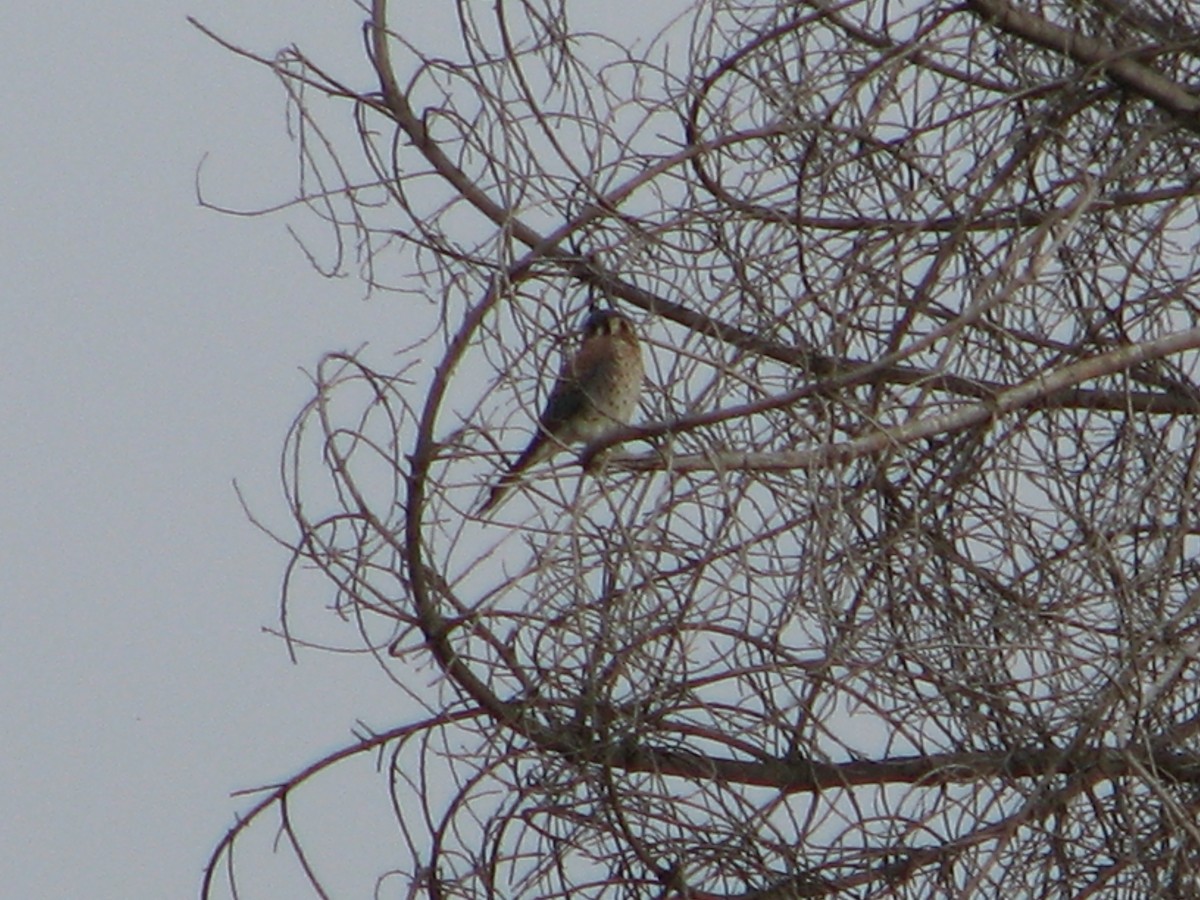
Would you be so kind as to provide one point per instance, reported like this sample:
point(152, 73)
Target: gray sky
point(151, 355)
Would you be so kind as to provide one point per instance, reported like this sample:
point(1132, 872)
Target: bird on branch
point(595, 394)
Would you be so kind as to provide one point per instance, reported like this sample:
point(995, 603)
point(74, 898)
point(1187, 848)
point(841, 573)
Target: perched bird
point(595, 394)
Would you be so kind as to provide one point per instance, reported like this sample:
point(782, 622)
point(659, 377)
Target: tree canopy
point(891, 589)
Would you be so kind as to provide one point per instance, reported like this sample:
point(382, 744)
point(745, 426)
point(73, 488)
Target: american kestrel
point(595, 394)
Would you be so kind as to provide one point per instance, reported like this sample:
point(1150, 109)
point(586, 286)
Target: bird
point(595, 394)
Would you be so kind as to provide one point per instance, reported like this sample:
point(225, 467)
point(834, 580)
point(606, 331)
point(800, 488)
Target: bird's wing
point(565, 402)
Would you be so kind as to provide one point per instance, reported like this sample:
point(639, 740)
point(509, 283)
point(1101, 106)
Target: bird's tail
point(498, 492)
point(537, 449)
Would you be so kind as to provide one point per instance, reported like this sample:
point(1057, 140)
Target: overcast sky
point(152, 354)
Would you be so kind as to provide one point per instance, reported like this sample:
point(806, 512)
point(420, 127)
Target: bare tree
point(892, 590)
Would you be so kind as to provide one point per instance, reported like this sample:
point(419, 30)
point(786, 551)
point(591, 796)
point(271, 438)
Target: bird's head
point(608, 322)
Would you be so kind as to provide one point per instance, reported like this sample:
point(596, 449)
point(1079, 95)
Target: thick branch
point(935, 769)
point(1117, 63)
point(1032, 394)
